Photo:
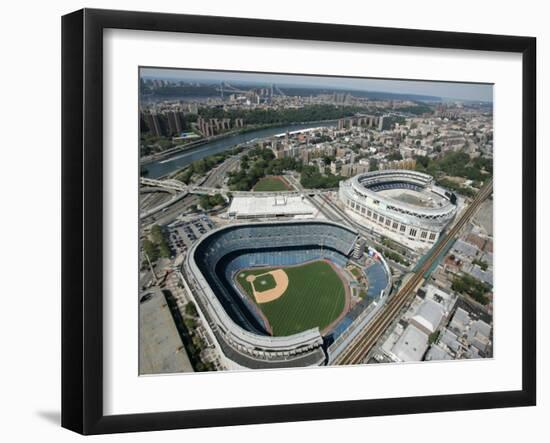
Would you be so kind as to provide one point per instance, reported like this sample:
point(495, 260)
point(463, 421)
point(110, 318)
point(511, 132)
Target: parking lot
point(182, 234)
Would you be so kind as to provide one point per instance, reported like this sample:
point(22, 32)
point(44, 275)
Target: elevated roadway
point(176, 185)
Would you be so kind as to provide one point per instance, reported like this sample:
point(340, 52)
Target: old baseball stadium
point(403, 205)
point(281, 294)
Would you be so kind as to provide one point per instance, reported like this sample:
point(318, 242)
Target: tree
point(191, 309)
point(373, 164)
point(285, 115)
point(311, 178)
point(466, 284)
point(199, 166)
point(395, 156)
point(211, 201)
point(433, 337)
point(422, 160)
point(205, 202)
point(244, 162)
point(156, 234)
point(185, 175)
point(151, 250)
point(164, 250)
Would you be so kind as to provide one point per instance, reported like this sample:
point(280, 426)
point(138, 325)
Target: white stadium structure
point(240, 335)
point(403, 205)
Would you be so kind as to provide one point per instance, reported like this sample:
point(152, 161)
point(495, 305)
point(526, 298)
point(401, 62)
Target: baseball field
point(271, 184)
point(296, 298)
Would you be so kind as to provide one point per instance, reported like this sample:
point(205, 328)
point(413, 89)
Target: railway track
point(369, 336)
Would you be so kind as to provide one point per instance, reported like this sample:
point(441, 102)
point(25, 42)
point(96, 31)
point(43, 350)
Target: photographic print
point(294, 221)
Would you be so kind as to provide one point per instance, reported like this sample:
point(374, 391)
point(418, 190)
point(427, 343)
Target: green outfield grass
point(270, 184)
point(315, 297)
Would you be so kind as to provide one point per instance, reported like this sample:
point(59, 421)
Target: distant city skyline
point(445, 90)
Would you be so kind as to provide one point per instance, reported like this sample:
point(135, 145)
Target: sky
point(447, 90)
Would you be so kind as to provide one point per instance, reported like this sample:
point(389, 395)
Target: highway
point(361, 345)
point(218, 174)
point(172, 212)
point(169, 208)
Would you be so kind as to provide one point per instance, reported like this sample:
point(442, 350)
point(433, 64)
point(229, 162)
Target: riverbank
point(178, 160)
point(144, 161)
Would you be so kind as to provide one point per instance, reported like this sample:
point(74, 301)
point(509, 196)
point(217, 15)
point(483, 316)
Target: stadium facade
point(403, 205)
point(240, 334)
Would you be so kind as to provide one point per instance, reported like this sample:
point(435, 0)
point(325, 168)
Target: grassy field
point(315, 297)
point(247, 286)
point(271, 184)
point(264, 283)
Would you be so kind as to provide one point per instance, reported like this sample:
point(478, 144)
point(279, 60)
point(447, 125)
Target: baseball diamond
point(264, 286)
point(276, 294)
point(315, 296)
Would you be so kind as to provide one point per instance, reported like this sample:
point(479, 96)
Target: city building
point(254, 207)
point(411, 346)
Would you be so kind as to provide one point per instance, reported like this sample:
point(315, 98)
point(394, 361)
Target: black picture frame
point(82, 218)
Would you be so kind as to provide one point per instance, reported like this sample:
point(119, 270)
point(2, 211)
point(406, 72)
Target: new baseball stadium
point(403, 205)
point(281, 294)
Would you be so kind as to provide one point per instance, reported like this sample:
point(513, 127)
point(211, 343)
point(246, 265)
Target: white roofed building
point(250, 207)
point(479, 335)
point(444, 298)
point(436, 352)
point(428, 316)
point(411, 346)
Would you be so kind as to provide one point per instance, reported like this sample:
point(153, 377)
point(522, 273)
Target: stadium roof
point(272, 206)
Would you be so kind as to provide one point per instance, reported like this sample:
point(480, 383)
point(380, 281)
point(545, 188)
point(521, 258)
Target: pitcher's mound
point(264, 296)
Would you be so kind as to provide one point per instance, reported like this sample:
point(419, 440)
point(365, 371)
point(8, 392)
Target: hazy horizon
point(442, 89)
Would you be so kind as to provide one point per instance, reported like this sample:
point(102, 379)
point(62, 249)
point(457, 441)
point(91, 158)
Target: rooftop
point(444, 298)
point(460, 321)
point(270, 206)
point(465, 249)
point(161, 348)
point(428, 316)
point(437, 353)
point(411, 345)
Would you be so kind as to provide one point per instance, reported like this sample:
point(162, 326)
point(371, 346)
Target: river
point(181, 159)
